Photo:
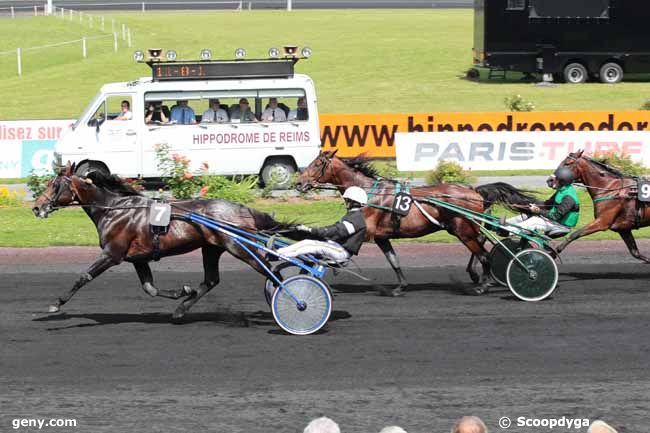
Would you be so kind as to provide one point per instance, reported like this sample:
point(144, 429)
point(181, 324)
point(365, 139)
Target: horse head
point(58, 193)
point(320, 171)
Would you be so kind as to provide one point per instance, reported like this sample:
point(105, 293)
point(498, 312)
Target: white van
point(173, 106)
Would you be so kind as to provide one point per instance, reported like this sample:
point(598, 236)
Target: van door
point(116, 135)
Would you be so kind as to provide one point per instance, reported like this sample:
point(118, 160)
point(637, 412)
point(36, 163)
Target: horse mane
point(363, 164)
point(113, 183)
point(611, 170)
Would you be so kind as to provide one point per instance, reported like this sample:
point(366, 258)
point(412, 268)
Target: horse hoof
point(53, 309)
point(392, 293)
point(479, 290)
point(187, 290)
point(475, 278)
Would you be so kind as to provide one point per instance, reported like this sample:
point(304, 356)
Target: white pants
point(327, 250)
point(536, 223)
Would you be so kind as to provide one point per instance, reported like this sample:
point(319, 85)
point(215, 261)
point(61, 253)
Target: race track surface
point(113, 360)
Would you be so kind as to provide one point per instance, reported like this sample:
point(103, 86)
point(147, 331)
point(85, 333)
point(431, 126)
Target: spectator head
point(601, 427)
point(392, 429)
point(183, 102)
point(215, 103)
point(126, 105)
point(469, 424)
point(273, 102)
point(302, 102)
point(243, 104)
point(322, 425)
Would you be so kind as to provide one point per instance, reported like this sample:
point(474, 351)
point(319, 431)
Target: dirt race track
point(113, 361)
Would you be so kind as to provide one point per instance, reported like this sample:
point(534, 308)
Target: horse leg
point(211, 255)
point(387, 249)
point(104, 262)
point(470, 265)
point(603, 222)
point(628, 238)
point(475, 243)
point(146, 279)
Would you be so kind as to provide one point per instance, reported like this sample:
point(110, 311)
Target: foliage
point(238, 189)
point(645, 106)
point(176, 174)
point(37, 183)
point(449, 172)
point(386, 170)
point(622, 162)
point(9, 197)
point(518, 103)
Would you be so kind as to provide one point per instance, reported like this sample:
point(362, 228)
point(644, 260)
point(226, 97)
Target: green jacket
point(565, 206)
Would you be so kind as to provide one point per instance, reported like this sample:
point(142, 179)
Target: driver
point(338, 241)
point(563, 207)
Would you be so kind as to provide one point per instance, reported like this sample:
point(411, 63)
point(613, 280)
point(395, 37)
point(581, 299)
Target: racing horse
point(616, 206)
point(121, 215)
point(422, 218)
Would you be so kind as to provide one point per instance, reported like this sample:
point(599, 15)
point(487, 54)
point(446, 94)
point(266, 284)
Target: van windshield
point(226, 106)
point(89, 110)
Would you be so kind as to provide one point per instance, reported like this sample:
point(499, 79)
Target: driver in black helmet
point(561, 211)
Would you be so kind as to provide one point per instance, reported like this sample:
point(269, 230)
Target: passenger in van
point(183, 114)
point(126, 113)
point(155, 113)
point(274, 113)
point(214, 114)
point(300, 113)
point(242, 112)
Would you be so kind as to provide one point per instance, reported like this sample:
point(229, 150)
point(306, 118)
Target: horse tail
point(266, 223)
point(507, 195)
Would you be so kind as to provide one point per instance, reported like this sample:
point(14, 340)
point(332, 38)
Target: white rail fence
point(119, 33)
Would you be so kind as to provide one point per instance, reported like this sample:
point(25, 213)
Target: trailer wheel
point(611, 73)
point(279, 172)
point(575, 73)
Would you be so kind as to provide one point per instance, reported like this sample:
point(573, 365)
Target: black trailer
point(571, 39)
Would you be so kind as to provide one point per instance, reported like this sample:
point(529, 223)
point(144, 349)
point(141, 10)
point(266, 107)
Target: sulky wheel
point(302, 306)
point(499, 257)
point(537, 280)
point(285, 270)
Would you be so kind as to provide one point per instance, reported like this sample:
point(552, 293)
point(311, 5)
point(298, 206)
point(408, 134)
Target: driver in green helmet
point(560, 212)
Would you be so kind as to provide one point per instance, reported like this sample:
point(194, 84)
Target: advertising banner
point(28, 145)
point(374, 134)
point(512, 150)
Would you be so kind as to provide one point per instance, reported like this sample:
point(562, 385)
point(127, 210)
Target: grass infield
point(365, 61)
point(69, 227)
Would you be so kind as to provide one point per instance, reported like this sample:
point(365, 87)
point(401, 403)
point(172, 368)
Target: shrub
point(175, 169)
point(517, 103)
point(622, 162)
point(237, 189)
point(9, 197)
point(37, 183)
point(646, 106)
point(387, 169)
point(449, 172)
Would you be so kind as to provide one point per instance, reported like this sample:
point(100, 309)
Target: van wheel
point(575, 73)
point(611, 73)
point(88, 166)
point(278, 172)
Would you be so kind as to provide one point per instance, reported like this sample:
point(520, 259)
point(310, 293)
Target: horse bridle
point(59, 187)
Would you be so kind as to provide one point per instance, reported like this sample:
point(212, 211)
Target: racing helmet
point(564, 176)
point(354, 193)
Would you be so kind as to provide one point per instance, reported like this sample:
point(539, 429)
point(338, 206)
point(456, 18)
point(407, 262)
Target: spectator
point(242, 112)
point(126, 113)
point(601, 427)
point(274, 113)
point(322, 425)
point(155, 113)
point(469, 424)
point(215, 114)
point(392, 429)
point(183, 114)
point(300, 113)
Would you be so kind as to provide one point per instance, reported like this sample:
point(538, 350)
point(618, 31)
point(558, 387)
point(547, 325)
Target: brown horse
point(121, 215)
point(616, 206)
point(423, 217)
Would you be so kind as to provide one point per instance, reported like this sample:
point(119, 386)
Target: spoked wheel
point(537, 280)
point(286, 270)
point(302, 306)
point(499, 258)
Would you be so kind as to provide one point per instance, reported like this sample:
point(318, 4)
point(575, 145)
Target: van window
point(114, 107)
point(516, 5)
point(291, 102)
point(569, 9)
